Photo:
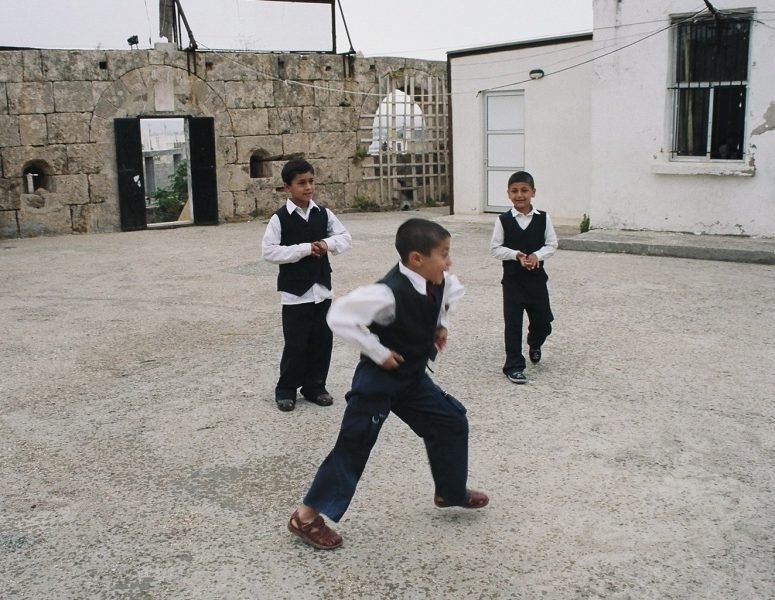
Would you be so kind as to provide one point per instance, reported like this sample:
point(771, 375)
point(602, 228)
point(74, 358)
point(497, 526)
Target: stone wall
point(57, 109)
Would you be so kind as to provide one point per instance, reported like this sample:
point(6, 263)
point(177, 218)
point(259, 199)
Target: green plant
point(360, 153)
point(364, 204)
point(429, 201)
point(170, 200)
point(584, 225)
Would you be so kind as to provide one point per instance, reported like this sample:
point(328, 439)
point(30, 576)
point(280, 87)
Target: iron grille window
point(711, 81)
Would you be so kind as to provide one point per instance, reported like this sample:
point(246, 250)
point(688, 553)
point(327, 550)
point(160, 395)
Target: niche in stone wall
point(260, 165)
point(35, 176)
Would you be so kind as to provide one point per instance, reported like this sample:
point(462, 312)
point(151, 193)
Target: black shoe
point(535, 355)
point(321, 399)
point(285, 402)
point(516, 376)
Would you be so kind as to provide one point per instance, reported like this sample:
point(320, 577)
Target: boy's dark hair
point(295, 166)
point(521, 177)
point(419, 235)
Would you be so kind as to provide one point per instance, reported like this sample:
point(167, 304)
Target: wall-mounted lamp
point(536, 73)
point(132, 41)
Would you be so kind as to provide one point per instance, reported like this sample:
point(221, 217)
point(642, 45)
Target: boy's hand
point(440, 339)
point(319, 248)
point(393, 361)
point(529, 262)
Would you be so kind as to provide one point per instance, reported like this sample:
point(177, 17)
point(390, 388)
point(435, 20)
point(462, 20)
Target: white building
point(662, 119)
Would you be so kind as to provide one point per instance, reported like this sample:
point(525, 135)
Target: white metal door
point(504, 145)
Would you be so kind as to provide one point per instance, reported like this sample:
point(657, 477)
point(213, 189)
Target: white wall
point(557, 125)
point(635, 185)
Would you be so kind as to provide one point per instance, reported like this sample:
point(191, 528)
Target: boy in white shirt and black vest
point(299, 237)
point(398, 323)
point(523, 239)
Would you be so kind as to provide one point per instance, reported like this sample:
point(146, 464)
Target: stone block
point(285, 120)
point(249, 94)
point(33, 68)
point(73, 96)
point(306, 67)
point(3, 97)
point(95, 218)
point(33, 130)
point(122, 62)
point(43, 214)
point(268, 199)
point(25, 98)
point(68, 128)
point(225, 151)
point(244, 204)
point(331, 195)
point(11, 66)
point(16, 158)
point(296, 143)
point(101, 130)
point(292, 94)
point(337, 118)
point(72, 189)
point(9, 226)
point(103, 188)
point(233, 178)
point(88, 158)
point(332, 144)
point(362, 189)
point(225, 206)
point(10, 193)
point(272, 145)
point(336, 93)
point(9, 130)
point(240, 67)
point(332, 170)
point(251, 121)
point(75, 65)
point(310, 119)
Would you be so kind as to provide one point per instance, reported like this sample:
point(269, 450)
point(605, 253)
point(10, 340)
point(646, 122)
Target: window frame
point(677, 87)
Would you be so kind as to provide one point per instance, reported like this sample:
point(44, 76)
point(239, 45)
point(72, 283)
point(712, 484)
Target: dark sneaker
point(535, 355)
point(516, 376)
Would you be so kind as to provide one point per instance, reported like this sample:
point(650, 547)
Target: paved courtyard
point(142, 456)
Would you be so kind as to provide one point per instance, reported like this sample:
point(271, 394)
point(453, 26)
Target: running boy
point(299, 237)
point(398, 324)
point(523, 239)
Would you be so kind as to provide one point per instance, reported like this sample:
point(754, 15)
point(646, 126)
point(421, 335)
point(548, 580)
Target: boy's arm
point(350, 315)
point(338, 239)
point(497, 249)
point(453, 292)
point(274, 252)
point(550, 241)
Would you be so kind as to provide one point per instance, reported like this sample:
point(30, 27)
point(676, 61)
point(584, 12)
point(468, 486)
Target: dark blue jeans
point(438, 418)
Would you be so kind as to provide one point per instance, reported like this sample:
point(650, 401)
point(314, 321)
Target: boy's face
point(521, 194)
point(301, 189)
point(432, 266)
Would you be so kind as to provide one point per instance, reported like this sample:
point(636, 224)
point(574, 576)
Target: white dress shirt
point(350, 315)
point(501, 252)
point(338, 240)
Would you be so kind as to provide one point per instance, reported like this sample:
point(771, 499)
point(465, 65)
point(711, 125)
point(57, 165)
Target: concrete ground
point(142, 456)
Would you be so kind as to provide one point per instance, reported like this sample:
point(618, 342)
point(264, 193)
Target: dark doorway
point(138, 185)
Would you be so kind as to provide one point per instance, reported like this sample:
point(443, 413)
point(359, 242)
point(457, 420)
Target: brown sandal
point(316, 533)
point(474, 499)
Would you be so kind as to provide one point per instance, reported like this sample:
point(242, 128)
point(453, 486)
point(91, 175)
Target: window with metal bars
point(710, 87)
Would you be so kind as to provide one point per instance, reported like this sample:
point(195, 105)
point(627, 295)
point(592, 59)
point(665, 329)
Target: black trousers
point(438, 418)
point(307, 352)
point(519, 297)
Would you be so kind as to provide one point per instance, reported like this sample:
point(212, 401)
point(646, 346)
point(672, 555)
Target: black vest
point(413, 331)
point(527, 240)
point(296, 278)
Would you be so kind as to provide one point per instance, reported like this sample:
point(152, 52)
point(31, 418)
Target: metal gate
point(407, 138)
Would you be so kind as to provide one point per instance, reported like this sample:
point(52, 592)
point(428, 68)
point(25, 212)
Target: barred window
point(710, 88)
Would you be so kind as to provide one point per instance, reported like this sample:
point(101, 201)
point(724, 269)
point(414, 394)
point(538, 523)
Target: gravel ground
point(142, 456)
